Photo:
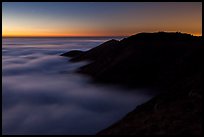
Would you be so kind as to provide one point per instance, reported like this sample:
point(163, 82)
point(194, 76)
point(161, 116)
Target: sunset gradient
point(51, 19)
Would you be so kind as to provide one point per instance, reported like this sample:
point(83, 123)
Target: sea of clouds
point(42, 94)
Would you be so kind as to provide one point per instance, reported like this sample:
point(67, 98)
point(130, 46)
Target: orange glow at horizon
point(90, 19)
point(47, 34)
point(54, 35)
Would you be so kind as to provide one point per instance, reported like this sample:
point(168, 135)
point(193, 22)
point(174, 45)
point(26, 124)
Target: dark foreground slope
point(177, 112)
point(169, 62)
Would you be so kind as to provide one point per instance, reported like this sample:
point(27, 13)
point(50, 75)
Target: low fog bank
point(43, 95)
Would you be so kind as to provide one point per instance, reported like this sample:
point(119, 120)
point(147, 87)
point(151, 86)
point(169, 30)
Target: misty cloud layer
point(43, 95)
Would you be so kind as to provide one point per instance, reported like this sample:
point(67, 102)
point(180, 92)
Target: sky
point(99, 18)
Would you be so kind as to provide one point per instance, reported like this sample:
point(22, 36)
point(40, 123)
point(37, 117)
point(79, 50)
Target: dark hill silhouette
point(73, 53)
point(107, 48)
point(171, 63)
point(144, 59)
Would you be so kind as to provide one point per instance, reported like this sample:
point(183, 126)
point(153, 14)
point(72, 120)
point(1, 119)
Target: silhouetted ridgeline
point(170, 62)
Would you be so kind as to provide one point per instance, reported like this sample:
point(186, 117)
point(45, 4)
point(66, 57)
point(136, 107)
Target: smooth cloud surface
point(43, 95)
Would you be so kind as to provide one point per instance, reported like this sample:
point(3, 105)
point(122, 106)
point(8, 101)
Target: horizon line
point(77, 36)
point(57, 36)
